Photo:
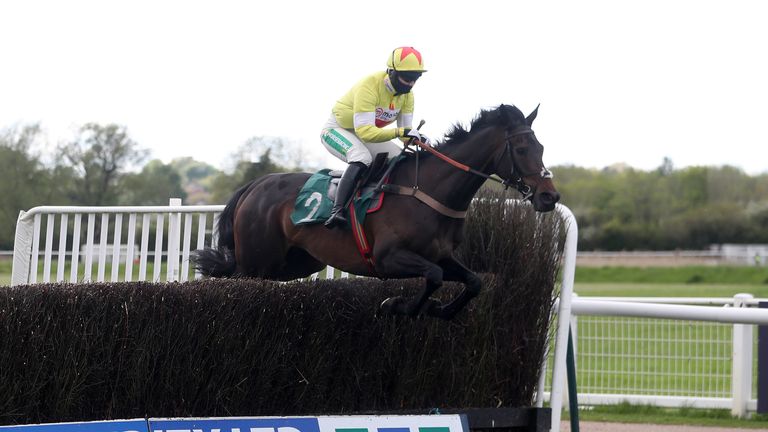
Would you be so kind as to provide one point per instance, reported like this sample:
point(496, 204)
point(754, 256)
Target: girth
point(426, 199)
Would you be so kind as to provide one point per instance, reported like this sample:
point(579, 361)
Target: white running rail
point(71, 231)
point(75, 239)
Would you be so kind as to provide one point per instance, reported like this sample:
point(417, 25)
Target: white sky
point(618, 81)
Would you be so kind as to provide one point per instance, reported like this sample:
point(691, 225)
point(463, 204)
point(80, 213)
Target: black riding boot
point(343, 193)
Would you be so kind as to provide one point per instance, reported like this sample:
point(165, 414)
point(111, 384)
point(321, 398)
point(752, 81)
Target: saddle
point(316, 197)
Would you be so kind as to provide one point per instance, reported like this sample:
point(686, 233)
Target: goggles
point(409, 75)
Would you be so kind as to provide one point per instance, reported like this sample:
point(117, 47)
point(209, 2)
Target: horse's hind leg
point(456, 271)
point(407, 263)
point(299, 264)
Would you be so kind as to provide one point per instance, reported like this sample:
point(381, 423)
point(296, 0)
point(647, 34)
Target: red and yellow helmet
point(406, 59)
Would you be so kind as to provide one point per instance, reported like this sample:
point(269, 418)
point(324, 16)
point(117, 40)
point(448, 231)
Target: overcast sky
point(618, 81)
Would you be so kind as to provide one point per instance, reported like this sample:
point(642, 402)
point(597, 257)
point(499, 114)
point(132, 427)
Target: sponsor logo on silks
point(385, 116)
point(337, 141)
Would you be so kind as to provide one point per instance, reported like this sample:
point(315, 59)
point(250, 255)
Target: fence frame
point(26, 247)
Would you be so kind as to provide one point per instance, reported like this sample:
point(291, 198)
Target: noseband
point(519, 184)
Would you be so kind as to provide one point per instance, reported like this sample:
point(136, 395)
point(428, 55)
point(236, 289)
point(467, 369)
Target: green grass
point(626, 413)
point(688, 281)
point(653, 357)
point(627, 289)
point(5, 271)
point(694, 275)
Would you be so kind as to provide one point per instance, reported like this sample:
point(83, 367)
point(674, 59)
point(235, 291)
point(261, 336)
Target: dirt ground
point(625, 427)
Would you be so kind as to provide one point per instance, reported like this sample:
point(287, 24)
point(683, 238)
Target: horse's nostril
point(550, 197)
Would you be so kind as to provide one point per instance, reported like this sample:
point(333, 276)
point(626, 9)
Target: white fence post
point(741, 371)
point(174, 240)
point(22, 248)
point(563, 315)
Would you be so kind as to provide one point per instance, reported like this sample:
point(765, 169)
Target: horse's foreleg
point(407, 263)
point(456, 271)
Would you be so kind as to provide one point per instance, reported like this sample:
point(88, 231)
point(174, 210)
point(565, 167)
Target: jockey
point(355, 131)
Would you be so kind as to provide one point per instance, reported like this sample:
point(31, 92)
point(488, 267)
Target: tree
point(196, 179)
point(284, 153)
point(245, 169)
point(154, 185)
point(99, 157)
point(21, 178)
point(666, 168)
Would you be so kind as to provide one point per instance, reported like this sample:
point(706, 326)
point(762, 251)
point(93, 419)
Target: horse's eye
point(521, 151)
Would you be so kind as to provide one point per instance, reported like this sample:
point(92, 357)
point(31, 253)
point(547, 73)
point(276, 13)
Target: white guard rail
point(732, 311)
point(69, 234)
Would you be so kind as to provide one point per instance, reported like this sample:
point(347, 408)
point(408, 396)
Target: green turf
point(694, 275)
point(628, 289)
point(626, 413)
point(5, 271)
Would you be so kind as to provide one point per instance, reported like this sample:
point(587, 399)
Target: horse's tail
point(220, 262)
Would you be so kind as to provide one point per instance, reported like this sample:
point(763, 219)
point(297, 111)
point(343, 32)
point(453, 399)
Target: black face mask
point(399, 87)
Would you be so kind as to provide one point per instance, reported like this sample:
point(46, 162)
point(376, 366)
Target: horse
point(410, 236)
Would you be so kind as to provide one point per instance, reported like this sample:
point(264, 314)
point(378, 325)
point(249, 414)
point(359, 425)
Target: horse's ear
point(532, 116)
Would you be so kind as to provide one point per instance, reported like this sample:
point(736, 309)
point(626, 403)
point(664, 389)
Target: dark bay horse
point(408, 237)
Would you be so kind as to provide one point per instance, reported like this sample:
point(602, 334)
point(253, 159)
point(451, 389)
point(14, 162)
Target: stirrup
point(336, 219)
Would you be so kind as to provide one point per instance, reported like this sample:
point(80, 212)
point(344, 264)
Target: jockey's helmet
point(406, 59)
point(404, 67)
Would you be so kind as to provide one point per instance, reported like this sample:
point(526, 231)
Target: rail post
point(563, 315)
point(570, 356)
point(174, 241)
point(741, 372)
point(22, 250)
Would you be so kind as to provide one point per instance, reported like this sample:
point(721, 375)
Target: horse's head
point(520, 163)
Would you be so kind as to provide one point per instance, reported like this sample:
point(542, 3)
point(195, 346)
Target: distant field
point(693, 275)
point(626, 289)
point(687, 281)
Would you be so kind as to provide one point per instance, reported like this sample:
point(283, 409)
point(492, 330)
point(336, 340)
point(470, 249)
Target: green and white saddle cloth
point(315, 199)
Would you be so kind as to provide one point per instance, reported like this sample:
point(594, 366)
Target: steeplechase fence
point(143, 245)
point(708, 359)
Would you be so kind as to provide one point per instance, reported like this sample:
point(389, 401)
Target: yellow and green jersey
point(370, 105)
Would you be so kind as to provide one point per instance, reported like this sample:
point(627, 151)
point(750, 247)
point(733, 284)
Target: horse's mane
point(503, 115)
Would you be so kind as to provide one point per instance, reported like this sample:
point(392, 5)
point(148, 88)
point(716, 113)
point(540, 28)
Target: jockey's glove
point(414, 133)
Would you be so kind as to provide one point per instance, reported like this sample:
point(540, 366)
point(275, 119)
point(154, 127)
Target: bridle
point(519, 184)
